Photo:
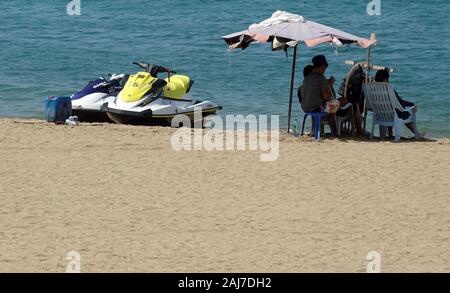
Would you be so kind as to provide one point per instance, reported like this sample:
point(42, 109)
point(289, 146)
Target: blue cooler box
point(57, 109)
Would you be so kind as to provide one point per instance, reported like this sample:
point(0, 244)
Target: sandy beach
point(123, 198)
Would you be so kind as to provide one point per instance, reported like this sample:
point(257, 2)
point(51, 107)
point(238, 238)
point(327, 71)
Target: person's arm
point(327, 95)
point(299, 94)
point(325, 89)
point(402, 102)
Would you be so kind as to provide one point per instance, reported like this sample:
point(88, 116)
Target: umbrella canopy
point(285, 30)
point(288, 27)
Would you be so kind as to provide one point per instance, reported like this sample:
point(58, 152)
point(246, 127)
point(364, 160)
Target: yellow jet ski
point(148, 100)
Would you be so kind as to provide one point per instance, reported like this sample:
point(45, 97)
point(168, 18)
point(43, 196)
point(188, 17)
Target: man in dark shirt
point(317, 90)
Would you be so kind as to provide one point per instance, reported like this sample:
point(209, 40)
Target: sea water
point(44, 51)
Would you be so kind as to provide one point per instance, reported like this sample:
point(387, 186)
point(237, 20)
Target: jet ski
point(87, 102)
point(148, 100)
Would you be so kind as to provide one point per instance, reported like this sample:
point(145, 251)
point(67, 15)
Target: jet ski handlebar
point(142, 65)
point(152, 69)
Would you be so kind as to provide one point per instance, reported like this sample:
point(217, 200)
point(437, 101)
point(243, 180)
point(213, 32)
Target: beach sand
point(123, 198)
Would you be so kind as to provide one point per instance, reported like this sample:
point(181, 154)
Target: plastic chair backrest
point(381, 99)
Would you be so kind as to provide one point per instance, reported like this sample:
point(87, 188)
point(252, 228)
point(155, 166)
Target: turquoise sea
point(43, 51)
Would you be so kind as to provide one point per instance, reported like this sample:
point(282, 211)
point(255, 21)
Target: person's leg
point(333, 124)
point(410, 126)
point(390, 131)
point(358, 120)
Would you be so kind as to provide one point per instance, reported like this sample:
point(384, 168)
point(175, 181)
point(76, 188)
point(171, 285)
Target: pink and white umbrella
point(285, 30)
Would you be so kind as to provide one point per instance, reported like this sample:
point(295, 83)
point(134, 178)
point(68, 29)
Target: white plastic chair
point(382, 101)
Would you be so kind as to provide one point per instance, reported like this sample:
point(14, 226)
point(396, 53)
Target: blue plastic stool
point(316, 122)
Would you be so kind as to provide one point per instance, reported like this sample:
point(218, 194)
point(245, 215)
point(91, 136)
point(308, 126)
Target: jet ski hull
point(87, 102)
point(149, 118)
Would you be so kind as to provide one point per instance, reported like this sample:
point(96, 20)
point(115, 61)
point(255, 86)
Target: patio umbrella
point(286, 30)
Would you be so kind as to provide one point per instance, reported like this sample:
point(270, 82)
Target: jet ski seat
point(178, 86)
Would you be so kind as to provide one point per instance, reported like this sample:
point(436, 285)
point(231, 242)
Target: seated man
point(383, 76)
point(317, 90)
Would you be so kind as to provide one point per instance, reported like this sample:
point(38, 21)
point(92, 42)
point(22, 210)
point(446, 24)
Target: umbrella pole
point(369, 51)
point(294, 59)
